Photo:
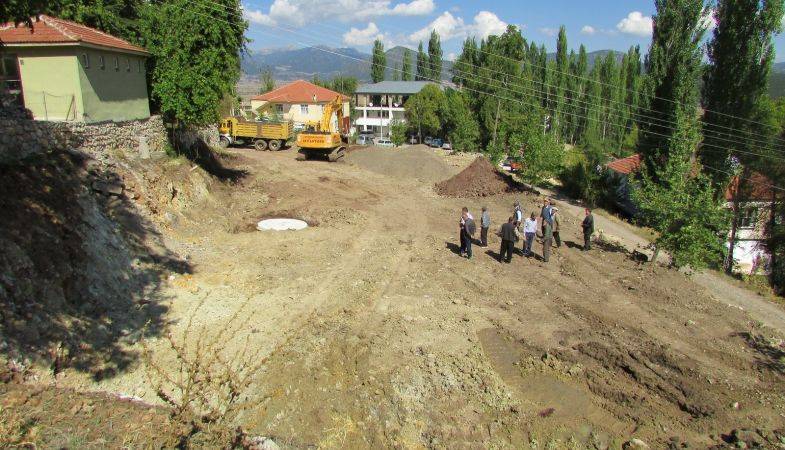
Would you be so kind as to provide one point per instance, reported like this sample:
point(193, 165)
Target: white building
point(379, 105)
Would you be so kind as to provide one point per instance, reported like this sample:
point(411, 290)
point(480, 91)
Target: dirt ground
point(380, 336)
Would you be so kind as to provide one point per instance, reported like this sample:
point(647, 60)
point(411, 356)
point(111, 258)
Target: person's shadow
point(573, 245)
point(453, 247)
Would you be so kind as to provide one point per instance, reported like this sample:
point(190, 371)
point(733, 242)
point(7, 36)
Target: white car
point(447, 146)
point(384, 142)
point(364, 139)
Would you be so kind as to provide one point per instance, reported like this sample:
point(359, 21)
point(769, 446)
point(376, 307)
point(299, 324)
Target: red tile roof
point(626, 165)
point(51, 30)
point(299, 91)
point(758, 187)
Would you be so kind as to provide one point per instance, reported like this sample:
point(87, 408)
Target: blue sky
point(598, 24)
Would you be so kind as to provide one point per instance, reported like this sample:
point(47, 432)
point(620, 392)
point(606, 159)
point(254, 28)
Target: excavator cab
point(324, 137)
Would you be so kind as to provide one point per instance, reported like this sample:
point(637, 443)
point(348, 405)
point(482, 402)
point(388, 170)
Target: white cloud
point(589, 30)
point(413, 8)
point(485, 23)
point(362, 37)
point(636, 24)
point(549, 31)
point(302, 12)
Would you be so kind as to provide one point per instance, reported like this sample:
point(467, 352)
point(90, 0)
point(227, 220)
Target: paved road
point(716, 285)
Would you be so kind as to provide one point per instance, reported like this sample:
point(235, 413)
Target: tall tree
point(741, 53)
point(559, 83)
point(674, 198)
point(578, 74)
point(378, 61)
point(189, 77)
point(464, 67)
point(673, 67)
point(459, 123)
point(435, 57)
point(407, 74)
point(422, 64)
point(423, 110)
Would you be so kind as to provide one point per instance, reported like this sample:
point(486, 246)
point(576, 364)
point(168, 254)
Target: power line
point(443, 84)
point(726, 137)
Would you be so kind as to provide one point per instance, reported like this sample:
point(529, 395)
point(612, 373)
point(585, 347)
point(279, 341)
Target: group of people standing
point(517, 228)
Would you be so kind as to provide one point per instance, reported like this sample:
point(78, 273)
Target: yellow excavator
point(323, 138)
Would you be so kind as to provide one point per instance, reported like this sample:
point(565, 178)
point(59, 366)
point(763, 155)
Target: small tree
point(460, 125)
point(398, 133)
point(541, 155)
point(423, 110)
point(267, 82)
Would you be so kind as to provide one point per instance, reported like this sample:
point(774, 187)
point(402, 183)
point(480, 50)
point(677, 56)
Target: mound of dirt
point(480, 179)
point(414, 163)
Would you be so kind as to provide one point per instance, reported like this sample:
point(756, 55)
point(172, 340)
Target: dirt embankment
point(480, 179)
point(410, 163)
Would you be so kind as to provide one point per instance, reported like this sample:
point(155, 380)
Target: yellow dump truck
point(263, 135)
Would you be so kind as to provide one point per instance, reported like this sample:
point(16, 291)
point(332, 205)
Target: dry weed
point(208, 388)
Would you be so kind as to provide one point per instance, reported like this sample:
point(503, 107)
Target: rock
point(635, 444)
point(750, 438)
point(261, 443)
point(108, 188)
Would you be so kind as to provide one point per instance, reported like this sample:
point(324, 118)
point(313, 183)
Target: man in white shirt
point(529, 231)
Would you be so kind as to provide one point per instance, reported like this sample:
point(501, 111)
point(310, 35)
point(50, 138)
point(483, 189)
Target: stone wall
point(21, 137)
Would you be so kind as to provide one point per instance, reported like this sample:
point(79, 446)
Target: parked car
point(384, 142)
point(427, 140)
point(447, 146)
point(413, 140)
point(364, 139)
point(437, 143)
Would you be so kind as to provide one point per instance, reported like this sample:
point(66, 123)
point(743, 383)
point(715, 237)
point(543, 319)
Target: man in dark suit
point(507, 233)
point(588, 230)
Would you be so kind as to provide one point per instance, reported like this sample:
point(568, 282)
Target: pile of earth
point(480, 179)
point(412, 162)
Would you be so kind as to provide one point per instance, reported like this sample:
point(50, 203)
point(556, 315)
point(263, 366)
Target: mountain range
point(289, 64)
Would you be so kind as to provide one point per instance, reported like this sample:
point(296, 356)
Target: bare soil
point(380, 336)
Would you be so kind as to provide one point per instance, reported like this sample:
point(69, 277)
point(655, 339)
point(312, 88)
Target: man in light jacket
point(485, 223)
point(529, 232)
point(468, 230)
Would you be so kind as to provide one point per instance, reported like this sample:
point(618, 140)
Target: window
point(303, 109)
point(748, 218)
point(279, 108)
point(116, 63)
point(101, 62)
point(86, 60)
point(127, 65)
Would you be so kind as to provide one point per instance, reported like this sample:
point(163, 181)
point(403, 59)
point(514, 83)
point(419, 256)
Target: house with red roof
point(754, 199)
point(299, 101)
point(61, 70)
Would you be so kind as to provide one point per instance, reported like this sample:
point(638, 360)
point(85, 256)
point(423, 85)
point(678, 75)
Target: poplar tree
point(673, 68)
point(407, 74)
point(559, 82)
point(464, 68)
point(435, 57)
point(741, 54)
point(422, 64)
point(379, 61)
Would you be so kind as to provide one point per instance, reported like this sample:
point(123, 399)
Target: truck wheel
point(302, 156)
point(223, 142)
point(260, 144)
point(274, 145)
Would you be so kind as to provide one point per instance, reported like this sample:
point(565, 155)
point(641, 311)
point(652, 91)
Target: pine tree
point(435, 57)
point(379, 61)
point(741, 53)
point(673, 66)
point(422, 64)
point(407, 67)
point(578, 84)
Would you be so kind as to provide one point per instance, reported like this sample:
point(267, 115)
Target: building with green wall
point(62, 70)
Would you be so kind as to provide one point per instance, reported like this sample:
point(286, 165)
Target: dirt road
point(722, 290)
point(381, 336)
